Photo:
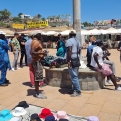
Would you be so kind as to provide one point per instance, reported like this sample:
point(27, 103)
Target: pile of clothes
point(52, 61)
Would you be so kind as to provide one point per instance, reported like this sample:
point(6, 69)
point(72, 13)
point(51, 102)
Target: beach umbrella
point(66, 32)
point(36, 32)
point(95, 32)
point(49, 33)
point(85, 32)
point(112, 30)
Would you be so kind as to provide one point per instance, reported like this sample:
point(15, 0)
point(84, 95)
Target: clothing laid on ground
point(23, 51)
point(74, 71)
point(61, 49)
point(16, 49)
point(4, 60)
point(105, 68)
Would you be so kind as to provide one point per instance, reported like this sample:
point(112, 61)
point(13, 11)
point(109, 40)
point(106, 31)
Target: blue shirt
point(28, 49)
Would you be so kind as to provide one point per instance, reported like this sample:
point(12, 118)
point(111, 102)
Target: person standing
point(37, 54)
point(22, 42)
point(4, 60)
point(29, 59)
point(119, 49)
point(73, 53)
point(16, 49)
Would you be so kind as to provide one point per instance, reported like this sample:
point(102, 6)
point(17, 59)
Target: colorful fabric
point(16, 44)
point(105, 70)
point(4, 60)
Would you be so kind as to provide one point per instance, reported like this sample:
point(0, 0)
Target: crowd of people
point(32, 50)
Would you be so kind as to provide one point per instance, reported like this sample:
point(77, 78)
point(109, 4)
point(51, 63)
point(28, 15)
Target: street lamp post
point(77, 18)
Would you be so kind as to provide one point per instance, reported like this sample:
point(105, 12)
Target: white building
point(26, 16)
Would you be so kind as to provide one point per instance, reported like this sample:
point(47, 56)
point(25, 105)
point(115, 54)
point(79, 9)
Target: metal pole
point(77, 18)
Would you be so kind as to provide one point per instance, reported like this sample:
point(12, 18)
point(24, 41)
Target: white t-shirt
point(99, 51)
point(74, 43)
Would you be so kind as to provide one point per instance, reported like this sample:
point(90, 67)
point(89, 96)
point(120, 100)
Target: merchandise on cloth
point(61, 115)
point(93, 118)
point(19, 111)
point(15, 119)
point(63, 120)
point(35, 117)
point(50, 118)
point(23, 104)
point(44, 113)
point(55, 61)
point(5, 115)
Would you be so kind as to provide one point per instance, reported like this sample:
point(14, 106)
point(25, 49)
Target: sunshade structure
point(112, 31)
point(85, 32)
point(36, 32)
point(7, 32)
point(95, 32)
point(104, 31)
point(66, 32)
point(49, 33)
point(1, 32)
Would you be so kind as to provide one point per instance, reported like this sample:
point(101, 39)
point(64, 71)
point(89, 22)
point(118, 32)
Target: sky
point(91, 10)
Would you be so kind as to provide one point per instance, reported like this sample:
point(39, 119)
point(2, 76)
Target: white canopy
point(112, 30)
point(66, 32)
point(85, 32)
point(1, 32)
point(95, 32)
point(49, 33)
point(104, 31)
point(36, 32)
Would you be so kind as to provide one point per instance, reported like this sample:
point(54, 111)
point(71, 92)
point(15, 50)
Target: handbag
point(75, 62)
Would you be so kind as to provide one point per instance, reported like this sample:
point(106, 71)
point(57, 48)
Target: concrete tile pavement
point(103, 103)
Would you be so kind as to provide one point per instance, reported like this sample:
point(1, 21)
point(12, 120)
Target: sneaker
point(21, 66)
point(4, 84)
point(75, 94)
point(109, 81)
point(32, 86)
point(118, 88)
point(40, 95)
point(18, 68)
point(13, 69)
point(42, 92)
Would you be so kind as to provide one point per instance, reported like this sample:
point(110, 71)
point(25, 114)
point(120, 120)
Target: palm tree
point(39, 16)
point(5, 14)
point(19, 15)
point(43, 19)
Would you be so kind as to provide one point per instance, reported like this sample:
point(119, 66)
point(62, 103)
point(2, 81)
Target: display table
point(89, 79)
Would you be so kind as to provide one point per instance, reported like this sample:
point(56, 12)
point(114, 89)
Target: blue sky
point(91, 10)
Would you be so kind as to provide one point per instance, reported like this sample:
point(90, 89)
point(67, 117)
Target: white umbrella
point(104, 31)
point(112, 31)
point(66, 32)
point(49, 33)
point(85, 32)
point(95, 32)
point(36, 32)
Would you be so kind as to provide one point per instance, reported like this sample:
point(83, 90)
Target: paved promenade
point(105, 103)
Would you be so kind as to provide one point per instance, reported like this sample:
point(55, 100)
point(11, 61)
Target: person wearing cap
point(73, 52)
point(22, 42)
point(16, 49)
point(98, 63)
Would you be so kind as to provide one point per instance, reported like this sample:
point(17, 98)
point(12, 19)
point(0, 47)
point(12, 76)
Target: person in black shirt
point(23, 50)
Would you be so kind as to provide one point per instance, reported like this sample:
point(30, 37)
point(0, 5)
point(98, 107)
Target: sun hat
point(5, 115)
point(61, 115)
point(35, 117)
point(44, 113)
point(50, 118)
point(93, 118)
point(19, 111)
point(15, 119)
point(23, 104)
